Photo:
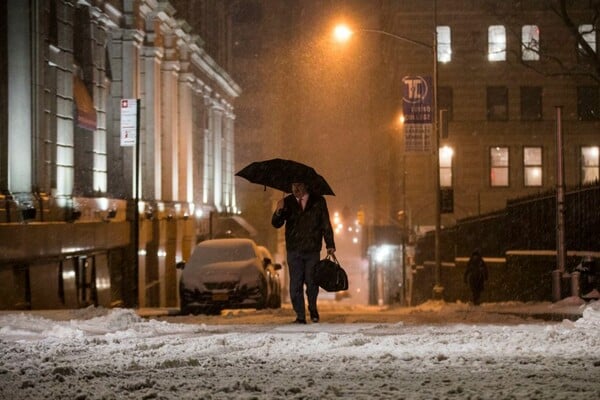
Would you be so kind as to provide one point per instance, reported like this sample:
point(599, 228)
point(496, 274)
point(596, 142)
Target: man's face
point(298, 189)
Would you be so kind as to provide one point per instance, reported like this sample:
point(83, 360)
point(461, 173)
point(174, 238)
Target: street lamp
point(343, 33)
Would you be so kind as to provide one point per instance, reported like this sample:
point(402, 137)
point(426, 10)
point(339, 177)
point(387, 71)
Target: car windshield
point(223, 251)
point(264, 253)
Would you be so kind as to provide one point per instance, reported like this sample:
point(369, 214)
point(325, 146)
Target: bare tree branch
point(585, 66)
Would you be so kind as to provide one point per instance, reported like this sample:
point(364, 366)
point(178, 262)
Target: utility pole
point(560, 211)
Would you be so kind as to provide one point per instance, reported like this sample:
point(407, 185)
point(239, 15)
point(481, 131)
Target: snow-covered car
point(226, 273)
point(272, 277)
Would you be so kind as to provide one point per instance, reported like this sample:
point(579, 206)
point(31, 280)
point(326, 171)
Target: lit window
point(446, 154)
point(530, 43)
point(590, 164)
point(499, 166)
point(444, 44)
point(588, 33)
point(532, 164)
point(496, 43)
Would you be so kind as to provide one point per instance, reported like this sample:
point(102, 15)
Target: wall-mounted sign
point(417, 107)
point(128, 122)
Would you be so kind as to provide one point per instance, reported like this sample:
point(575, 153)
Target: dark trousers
point(301, 267)
point(476, 289)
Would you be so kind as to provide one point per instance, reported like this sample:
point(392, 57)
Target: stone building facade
point(69, 222)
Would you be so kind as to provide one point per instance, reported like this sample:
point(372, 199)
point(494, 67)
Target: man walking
point(307, 224)
point(475, 275)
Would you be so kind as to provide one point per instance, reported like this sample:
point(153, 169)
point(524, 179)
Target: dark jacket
point(476, 273)
point(305, 229)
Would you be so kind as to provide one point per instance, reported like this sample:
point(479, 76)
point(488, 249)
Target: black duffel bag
point(330, 275)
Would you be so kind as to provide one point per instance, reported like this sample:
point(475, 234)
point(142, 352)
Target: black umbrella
point(280, 174)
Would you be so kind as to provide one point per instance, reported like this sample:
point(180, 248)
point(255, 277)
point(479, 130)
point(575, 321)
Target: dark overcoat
point(305, 229)
point(476, 273)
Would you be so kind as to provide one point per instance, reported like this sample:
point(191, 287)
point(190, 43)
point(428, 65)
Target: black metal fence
point(525, 224)
point(527, 227)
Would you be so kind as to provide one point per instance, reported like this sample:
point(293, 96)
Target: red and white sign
point(128, 122)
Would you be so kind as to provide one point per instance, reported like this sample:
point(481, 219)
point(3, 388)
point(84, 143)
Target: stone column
point(229, 161)
point(20, 107)
point(184, 116)
point(216, 120)
point(151, 129)
point(100, 91)
point(169, 126)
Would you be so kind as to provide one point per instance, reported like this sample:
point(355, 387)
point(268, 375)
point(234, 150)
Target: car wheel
point(274, 297)
point(276, 300)
point(264, 298)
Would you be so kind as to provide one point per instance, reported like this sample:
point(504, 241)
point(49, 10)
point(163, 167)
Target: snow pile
point(116, 354)
point(591, 316)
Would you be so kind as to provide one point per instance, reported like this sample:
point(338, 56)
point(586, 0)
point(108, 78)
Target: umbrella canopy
point(280, 174)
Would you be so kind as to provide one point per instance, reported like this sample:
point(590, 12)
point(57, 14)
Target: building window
point(588, 33)
point(532, 165)
point(531, 103)
point(497, 103)
point(444, 44)
point(590, 164)
point(588, 103)
point(530, 43)
point(496, 43)
point(52, 24)
point(499, 166)
point(446, 154)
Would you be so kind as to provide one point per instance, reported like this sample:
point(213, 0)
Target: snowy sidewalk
point(570, 309)
point(341, 312)
point(433, 350)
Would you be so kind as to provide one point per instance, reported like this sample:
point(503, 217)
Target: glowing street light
point(343, 33)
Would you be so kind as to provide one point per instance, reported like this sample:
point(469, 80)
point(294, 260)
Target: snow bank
point(116, 354)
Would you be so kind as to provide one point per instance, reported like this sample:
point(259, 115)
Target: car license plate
point(220, 296)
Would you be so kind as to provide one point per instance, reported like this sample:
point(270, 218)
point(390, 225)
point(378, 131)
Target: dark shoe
point(314, 317)
point(299, 321)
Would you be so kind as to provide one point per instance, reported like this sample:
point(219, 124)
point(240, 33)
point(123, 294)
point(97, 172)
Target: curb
point(544, 316)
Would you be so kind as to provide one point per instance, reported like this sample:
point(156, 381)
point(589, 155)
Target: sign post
point(130, 133)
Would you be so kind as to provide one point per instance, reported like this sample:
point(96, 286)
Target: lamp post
point(343, 33)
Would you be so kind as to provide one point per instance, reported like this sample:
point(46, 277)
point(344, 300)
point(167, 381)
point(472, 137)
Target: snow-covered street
point(436, 350)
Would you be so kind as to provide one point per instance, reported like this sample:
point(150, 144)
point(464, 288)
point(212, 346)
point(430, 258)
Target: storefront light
point(102, 203)
point(383, 253)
